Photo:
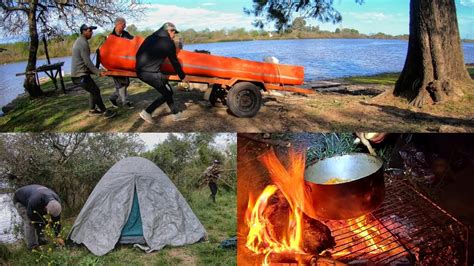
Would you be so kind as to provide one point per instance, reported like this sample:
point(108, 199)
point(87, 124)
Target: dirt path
point(296, 113)
point(355, 110)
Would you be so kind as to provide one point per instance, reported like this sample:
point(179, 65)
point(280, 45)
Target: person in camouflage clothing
point(211, 175)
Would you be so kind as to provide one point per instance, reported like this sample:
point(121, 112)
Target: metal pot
point(361, 188)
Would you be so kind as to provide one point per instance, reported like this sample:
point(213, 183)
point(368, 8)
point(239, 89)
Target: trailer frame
point(242, 96)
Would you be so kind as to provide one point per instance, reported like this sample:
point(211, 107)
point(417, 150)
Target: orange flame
point(373, 238)
point(289, 180)
point(261, 239)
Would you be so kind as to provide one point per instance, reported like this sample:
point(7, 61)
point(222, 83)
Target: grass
point(387, 79)
point(219, 219)
point(470, 69)
point(69, 112)
point(60, 112)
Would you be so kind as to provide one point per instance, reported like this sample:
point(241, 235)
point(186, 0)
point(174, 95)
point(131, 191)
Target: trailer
point(242, 96)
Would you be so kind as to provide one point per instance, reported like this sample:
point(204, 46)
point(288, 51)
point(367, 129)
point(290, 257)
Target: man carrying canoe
point(121, 83)
point(151, 54)
point(81, 70)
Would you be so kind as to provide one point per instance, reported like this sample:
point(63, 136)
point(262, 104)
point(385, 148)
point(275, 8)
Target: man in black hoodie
point(151, 54)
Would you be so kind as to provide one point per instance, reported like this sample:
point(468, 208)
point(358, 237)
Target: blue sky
point(388, 16)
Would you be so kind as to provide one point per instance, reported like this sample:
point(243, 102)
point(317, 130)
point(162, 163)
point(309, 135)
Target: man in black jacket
point(151, 54)
point(121, 83)
point(33, 203)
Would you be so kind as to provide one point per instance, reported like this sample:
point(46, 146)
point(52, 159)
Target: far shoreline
point(243, 40)
point(228, 41)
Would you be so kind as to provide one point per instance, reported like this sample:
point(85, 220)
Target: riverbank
point(218, 219)
point(363, 103)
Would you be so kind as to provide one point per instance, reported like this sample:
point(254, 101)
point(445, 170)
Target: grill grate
point(408, 228)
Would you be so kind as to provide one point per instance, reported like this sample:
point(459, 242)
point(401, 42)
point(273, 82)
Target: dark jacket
point(212, 173)
point(125, 34)
point(154, 50)
point(35, 198)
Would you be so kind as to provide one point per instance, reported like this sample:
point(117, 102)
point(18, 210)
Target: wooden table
point(52, 70)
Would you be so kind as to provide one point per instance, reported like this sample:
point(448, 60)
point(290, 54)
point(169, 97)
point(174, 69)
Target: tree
point(132, 29)
point(184, 157)
point(71, 164)
point(298, 24)
point(52, 17)
point(434, 69)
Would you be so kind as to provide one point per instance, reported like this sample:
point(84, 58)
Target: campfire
point(277, 226)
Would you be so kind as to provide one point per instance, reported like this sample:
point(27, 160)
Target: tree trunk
point(30, 81)
point(434, 69)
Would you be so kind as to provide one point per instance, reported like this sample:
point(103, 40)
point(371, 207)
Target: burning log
point(288, 258)
point(316, 237)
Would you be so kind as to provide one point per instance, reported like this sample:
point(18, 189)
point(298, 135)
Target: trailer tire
point(244, 99)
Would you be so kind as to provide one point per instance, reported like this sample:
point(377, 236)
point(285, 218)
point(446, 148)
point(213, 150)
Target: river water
point(322, 58)
point(9, 218)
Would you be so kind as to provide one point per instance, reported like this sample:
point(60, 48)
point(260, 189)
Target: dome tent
point(135, 202)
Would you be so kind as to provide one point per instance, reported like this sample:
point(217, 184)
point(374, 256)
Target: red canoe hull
point(118, 54)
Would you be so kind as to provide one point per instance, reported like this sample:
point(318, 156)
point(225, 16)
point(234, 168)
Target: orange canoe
point(118, 54)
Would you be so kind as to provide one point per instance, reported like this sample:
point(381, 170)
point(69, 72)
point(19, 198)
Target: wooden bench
point(52, 71)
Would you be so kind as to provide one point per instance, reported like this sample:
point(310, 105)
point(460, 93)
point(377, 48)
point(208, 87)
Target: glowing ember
point(361, 236)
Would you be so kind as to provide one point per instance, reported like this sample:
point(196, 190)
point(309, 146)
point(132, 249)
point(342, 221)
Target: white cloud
point(467, 3)
point(372, 16)
point(152, 139)
point(208, 4)
point(186, 18)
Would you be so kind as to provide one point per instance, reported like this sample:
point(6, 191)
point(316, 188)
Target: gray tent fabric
point(166, 217)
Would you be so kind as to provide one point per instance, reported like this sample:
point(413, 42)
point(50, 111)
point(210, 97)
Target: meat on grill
point(316, 236)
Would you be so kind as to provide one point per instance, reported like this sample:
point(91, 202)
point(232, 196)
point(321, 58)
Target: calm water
point(322, 59)
point(8, 219)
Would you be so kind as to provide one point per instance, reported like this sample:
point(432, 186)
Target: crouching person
point(151, 54)
point(33, 203)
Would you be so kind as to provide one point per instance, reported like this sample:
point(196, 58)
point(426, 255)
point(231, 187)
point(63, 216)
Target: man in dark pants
point(121, 83)
point(81, 70)
point(211, 175)
point(33, 203)
point(153, 51)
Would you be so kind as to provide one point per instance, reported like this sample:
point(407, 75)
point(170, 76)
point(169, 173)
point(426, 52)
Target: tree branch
point(12, 8)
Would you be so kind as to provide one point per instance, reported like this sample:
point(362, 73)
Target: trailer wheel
point(244, 99)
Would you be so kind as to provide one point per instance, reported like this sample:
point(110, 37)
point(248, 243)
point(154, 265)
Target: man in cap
point(121, 83)
point(81, 70)
point(33, 203)
point(151, 54)
point(211, 175)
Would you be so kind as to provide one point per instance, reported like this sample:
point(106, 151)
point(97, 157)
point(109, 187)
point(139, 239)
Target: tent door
point(132, 232)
